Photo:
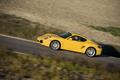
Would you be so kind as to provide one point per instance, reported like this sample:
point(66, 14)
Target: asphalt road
point(28, 47)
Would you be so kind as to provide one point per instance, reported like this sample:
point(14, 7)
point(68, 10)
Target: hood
point(49, 34)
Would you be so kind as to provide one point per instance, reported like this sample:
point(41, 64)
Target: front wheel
point(55, 45)
point(91, 52)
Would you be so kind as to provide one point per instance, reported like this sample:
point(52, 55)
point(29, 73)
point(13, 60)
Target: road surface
point(28, 47)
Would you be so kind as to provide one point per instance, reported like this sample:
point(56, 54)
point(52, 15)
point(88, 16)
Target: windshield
point(65, 35)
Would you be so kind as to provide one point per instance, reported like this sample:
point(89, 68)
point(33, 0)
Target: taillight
point(100, 47)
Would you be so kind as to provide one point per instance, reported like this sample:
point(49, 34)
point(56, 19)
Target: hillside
point(70, 15)
point(43, 66)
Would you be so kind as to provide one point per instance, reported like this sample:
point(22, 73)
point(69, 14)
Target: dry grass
point(70, 15)
point(66, 11)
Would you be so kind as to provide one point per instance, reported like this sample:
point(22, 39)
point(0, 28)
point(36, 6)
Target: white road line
point(20, 53)
point(18, 38)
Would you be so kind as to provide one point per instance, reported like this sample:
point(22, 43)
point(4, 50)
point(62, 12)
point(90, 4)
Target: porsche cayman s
point(70, 41)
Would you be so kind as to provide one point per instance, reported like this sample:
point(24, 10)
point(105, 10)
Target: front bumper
point(43, 41)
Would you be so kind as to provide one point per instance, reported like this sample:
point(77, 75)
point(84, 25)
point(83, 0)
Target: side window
point(82, 39)
point(78, 38)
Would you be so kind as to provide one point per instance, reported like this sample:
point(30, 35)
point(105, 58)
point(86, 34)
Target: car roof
point(77, 34)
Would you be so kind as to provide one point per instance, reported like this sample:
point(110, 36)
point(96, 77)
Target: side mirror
point(70, 39)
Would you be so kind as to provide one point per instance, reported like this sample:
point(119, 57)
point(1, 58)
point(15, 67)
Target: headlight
point(47, 37)
point(38, 38)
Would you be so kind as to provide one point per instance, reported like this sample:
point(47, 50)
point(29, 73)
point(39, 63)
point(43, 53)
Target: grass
point(24, 67)
point(113, 30)
point(20, 27)
point(44, 67)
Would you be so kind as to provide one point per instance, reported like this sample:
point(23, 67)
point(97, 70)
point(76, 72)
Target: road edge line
point(18, 38)
point(20, 53)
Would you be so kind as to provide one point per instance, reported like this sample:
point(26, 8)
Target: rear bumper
point(99, 51)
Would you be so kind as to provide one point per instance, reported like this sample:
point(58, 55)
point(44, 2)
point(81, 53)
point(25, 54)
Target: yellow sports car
point(70, 41)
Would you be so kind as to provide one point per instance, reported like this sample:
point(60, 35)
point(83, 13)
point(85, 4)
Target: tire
point(55, 45)
point(90, 52)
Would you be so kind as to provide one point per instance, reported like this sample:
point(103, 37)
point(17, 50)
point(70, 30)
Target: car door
point(73, 44)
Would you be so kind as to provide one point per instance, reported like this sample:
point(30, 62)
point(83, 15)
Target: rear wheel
point(55, 45)
point(91, 52)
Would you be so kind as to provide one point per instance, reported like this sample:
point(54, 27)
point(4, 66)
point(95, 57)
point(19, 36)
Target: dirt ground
point(70, 15)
